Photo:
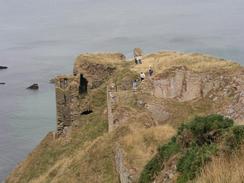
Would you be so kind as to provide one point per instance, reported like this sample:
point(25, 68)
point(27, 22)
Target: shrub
point(205, 129)
point(238, 132)
point(202, 125)
point(156, 163)
point(235, 138)
point(190, 164)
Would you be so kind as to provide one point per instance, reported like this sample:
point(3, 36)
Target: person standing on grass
point(138, 55)
point(150, 71)
point(138, 60)
point(142, 76)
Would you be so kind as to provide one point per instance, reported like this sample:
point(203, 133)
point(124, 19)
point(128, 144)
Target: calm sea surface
point(40, 39)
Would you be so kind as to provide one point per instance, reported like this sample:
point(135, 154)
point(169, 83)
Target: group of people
point(138, 60)
point(142, 77)
point(138, 55)
point(150, 73)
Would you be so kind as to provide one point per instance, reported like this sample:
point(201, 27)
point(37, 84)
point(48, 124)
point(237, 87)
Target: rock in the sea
point(33, 87)
point(2, 83)
point(3, 67)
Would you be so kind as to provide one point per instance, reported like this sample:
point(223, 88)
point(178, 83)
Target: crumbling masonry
point(67, 102)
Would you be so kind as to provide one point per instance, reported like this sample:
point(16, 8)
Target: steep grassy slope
point(84, 156)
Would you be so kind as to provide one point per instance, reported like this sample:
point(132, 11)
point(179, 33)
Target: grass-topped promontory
point(194, 145)
point(148, 142)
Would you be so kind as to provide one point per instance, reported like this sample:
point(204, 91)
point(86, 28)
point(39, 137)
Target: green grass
point(195, 157)
point(234, 138)
point(155, 164)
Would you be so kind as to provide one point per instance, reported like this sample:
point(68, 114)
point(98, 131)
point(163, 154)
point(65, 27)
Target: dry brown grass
point(91, 163)
point(224, 169)
point(240, 122)
point(141, 144)
point(197, 62)
point(102, 58)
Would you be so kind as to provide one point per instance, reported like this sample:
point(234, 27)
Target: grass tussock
point(224, 169)
point(141, 145)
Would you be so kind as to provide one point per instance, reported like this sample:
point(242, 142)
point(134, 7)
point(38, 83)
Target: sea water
point(40, 39)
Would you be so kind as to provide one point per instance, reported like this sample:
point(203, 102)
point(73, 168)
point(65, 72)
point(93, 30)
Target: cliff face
point(180, 84)
point(107, 130)
point(184, 85)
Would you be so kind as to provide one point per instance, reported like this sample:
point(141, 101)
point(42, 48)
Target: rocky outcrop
point(33, 87)
point(178, 83)
point(158, 112)
point(137, 52)
point(185, 85)
point(236, 91)
point(182, 84)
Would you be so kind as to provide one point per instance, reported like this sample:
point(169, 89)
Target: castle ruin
point(68, 91)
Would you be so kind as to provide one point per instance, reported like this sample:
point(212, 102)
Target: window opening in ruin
point(83, 85)
point(65, 99)
point(65, 82)
point(86, 112)
point(115, 121)
point(63, 116)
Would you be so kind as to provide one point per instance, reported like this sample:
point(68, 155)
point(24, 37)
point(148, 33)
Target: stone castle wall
point(67, 102)
point(122, 170)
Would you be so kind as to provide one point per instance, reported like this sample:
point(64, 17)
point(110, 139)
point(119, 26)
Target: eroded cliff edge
point(107, 131)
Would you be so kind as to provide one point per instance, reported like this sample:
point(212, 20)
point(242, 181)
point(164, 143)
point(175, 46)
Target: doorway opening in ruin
point(83, 85)
point(86, 112)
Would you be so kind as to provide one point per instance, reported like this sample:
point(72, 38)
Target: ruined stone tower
point(90, 71)
point(67, 102)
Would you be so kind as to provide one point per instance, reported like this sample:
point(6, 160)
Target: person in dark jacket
point(150, 71)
